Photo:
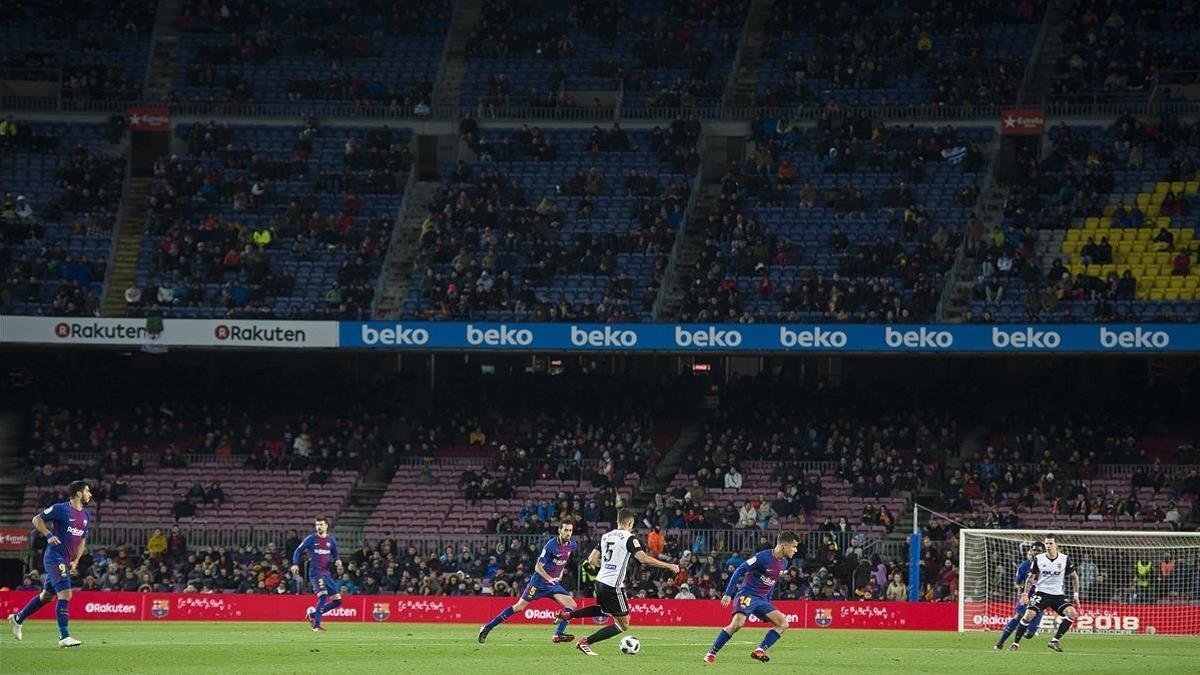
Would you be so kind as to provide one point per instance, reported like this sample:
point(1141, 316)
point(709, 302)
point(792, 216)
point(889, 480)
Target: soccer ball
point(630, 645)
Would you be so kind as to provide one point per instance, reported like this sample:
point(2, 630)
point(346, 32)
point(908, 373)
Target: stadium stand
point(61, 196)
point(555, 225)
point(869, 53)
point(1103, 229)
point(657, 54)
point(95, 50)
point(272, 222)
point(850, 221)
point(368, 53)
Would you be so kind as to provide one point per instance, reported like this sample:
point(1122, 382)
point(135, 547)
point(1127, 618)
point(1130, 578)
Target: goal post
point(1143, 583)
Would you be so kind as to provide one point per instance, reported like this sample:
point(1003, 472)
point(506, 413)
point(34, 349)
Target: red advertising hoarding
point(149, 118)
point(473, 610)
point(1147, 619)
point(1022, 121)
point(14, 538)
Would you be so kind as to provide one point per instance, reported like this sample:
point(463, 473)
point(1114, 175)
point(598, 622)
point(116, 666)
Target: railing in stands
point(1093, 105)
point(699, 542)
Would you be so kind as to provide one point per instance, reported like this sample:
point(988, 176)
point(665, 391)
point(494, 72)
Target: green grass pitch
point(229, 647)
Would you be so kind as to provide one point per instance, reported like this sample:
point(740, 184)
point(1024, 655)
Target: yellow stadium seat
point(1157, 294)
point(1191, 187)
point(1172, 294)
point(1152, 211)
point(1091, 222)
point(1177, 186)
point(1175, 282)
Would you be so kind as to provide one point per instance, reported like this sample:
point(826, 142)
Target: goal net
point(1130, 582)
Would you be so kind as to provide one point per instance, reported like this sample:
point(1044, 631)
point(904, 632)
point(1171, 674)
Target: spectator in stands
point(156, 546)
point(733, 479)
point(1181, 266)
point(183, 508)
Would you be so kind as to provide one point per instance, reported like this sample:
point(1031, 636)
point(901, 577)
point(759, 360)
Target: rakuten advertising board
point(1148, 619)
point(475, 610)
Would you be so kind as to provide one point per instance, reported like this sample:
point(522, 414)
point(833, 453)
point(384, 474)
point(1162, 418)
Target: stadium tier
point(871, 53)
point(371, 54)
point(272, 222)
point(555, 225)
point(656, 54)
point(93, 50)
point(857, 223)
point(62, 186)
point(1103, 230)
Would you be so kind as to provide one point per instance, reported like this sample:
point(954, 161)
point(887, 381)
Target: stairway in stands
point(352, 520)
point(396, 276)
point(164, 50)
point(130, 233)
point(745, 80)
point(688, 252)
point(448, 89)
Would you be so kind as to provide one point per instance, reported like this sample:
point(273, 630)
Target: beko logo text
point(606, 337)
point(1134, 339)
point(922, 338)
point(817, 337)
point(707, 337)
point(398, 336)
point(110, 608)
point(499, 337)
point(1025, 339)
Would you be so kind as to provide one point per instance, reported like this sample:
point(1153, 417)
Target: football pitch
point(227, 647)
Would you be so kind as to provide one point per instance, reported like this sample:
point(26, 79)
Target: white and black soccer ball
point(630, 645)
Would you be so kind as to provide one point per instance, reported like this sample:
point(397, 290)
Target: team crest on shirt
point(381, 611)
point(823, 617)
point(159, 609)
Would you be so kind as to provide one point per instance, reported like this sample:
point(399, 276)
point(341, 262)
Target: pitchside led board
point(648, 337)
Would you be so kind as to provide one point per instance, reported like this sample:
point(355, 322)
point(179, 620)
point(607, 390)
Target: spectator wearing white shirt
point(733, 479)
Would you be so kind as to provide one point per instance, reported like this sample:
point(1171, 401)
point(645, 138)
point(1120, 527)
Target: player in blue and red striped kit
point(65, 526)
point(546, 582)
point(757, 577)
point(322, 558)
point(1031, 551)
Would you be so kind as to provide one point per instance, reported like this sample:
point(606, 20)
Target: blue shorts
point(58, 576)
point(750, 605)
point(535, 591)
point(323, 583)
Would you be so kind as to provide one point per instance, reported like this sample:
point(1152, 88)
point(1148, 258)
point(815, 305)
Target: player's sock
point(611, 630)
point(500, 618)
point(562, 627)
point(60, 611)
point(1024, 626)
point(35, 603)
point(1063, 627)
point(329, 607)
point(769, 639)
point(722, 638)
point(316, 617)
point(1008, 630)
point(584, 612)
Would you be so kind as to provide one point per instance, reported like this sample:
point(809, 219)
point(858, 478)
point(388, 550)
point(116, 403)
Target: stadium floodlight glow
point(1131, 582)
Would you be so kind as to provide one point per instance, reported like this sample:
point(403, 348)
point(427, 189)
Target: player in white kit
point(1047, 580)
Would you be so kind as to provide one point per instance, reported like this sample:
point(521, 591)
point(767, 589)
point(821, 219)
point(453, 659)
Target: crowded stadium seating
point(61, 197)
point(854, 223)
point(563, 230)
point(96, 50)
point(661, 53)
point(1116, 53)
point(1106, 230)
point(269, 221)
point(869, 53)
point(371, 54)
